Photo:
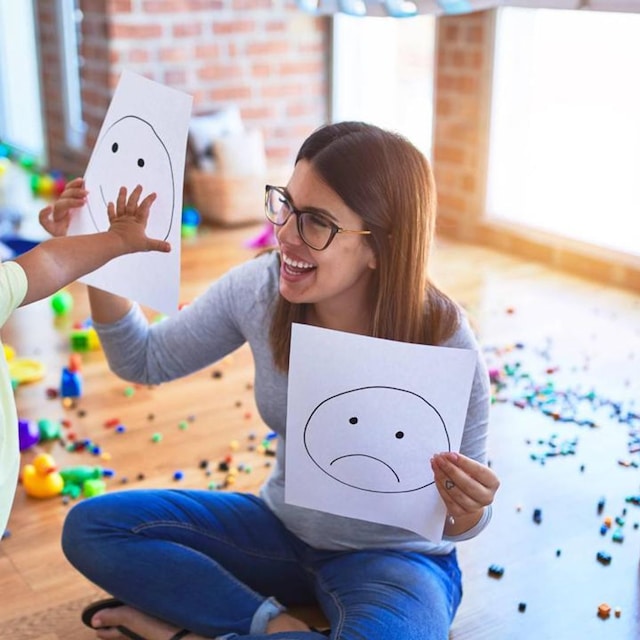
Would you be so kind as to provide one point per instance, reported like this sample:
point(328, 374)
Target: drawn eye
point(140, 162)
point(399, 435)
point(353, 420)
point(114, 147)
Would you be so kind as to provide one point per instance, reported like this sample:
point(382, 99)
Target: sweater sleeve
point(475, 433)
point(203, 332)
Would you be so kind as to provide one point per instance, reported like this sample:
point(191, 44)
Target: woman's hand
point(55, 218)
point(466, 488)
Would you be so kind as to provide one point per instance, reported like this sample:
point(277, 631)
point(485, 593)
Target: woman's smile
point(295, 268)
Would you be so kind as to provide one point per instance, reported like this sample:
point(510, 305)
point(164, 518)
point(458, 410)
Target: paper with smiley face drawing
point(142, 141)
point(364, 417)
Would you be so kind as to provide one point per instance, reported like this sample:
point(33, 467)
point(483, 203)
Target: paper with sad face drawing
point(142, 141)
point(364, 417)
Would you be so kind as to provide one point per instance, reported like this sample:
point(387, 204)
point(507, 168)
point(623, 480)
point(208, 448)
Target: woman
point(354, 225)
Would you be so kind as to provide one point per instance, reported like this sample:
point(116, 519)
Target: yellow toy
point(9, 352)
point(41, 479)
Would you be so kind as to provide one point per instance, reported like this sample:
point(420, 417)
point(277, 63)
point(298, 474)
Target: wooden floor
point(537, 326)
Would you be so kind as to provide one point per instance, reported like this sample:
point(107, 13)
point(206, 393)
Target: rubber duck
point(41, 478)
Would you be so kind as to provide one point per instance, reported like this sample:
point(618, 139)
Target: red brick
point(218, 72)
point(139, 56)
point(204, 51)
point(186, 30)
point(301, 68)
point(232, 27)
point(120, 6)
point(273, 47)
point(257, 113)
point(174, 54)
point(449, 32)
point(250, 5)
point(163, 6)
point(294, 110)
point(260, 70)
point(284, 91)
point(444, 153)
point(135, 31)
point(278, 26)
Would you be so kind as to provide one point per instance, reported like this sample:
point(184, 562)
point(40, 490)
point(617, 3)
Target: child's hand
point(55, 218)
point(129, 221)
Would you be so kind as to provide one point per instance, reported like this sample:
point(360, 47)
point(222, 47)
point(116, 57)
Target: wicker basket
point(226, 200)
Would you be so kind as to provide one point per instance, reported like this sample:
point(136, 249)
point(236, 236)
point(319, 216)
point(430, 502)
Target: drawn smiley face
point(377, 439)
point(131, 153)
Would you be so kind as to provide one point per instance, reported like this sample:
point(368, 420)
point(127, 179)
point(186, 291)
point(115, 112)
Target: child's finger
point(76, 183)
point(45, 214)
point(111, 211)
point(121, 201)
point(62, 207)
point(158, 245)
point(145, 207)
point(74, 188)
point(73, 194)
point(132, 203)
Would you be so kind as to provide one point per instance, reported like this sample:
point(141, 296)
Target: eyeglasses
point(314, 228)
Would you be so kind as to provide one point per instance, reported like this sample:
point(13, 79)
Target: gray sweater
point(236, 309)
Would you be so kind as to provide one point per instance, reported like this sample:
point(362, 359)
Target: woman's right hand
point(55, 218)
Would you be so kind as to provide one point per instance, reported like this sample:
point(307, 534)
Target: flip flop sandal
point(111, 603)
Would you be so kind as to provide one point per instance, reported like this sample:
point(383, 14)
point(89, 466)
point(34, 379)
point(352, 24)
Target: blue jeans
point(223, 563)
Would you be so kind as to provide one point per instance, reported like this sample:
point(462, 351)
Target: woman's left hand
point(465, 485)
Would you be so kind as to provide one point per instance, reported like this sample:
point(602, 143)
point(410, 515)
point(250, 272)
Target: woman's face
point(335, 280)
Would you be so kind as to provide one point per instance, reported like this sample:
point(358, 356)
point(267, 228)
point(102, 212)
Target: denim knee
point(75, 536)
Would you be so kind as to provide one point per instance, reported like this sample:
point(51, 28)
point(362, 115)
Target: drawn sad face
point(128, 154)
point(377, 439)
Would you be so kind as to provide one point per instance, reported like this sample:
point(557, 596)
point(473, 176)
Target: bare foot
point(145, 626)
point(285, 622)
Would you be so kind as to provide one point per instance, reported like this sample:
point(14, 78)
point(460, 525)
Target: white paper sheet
point(142, 141)
point(364, 417)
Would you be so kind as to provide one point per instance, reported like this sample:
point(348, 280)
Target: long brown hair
point(383, 178)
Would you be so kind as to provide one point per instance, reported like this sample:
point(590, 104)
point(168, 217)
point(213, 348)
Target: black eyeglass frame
point(335, 229)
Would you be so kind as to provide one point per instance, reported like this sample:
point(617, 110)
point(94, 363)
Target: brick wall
point(59, 156)
point(264, 56)
point(461, 129)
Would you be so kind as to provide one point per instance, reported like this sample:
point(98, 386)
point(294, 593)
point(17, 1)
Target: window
point(383, 73)
point(69, 22)
point(565, 132)
point(20, 111)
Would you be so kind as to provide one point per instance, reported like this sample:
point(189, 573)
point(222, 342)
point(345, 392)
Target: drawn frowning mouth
point(363, 455)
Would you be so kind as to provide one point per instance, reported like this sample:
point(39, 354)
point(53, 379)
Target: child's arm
point(59, 261)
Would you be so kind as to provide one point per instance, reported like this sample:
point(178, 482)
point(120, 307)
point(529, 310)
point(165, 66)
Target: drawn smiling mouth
point(97, 220)
point(363, 455)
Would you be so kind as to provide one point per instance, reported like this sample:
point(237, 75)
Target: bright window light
point(565, 130)
point(70, 34)
point(20, 111)
point(383, 73)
